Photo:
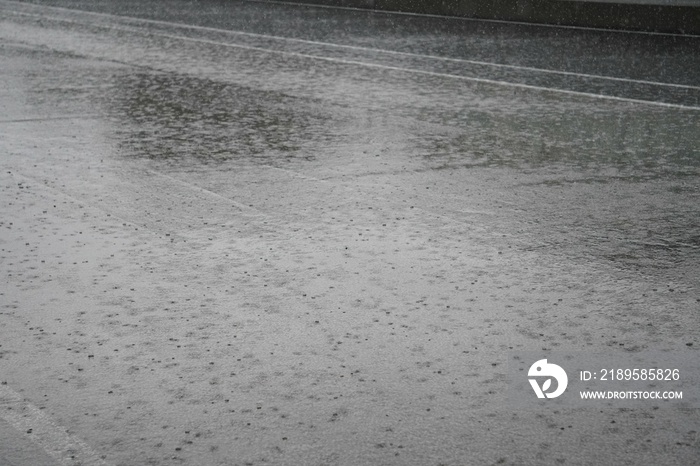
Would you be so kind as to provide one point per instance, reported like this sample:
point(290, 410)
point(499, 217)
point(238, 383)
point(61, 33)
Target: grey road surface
point(243, 233)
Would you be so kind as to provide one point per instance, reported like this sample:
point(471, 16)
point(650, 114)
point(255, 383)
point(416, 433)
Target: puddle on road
point(600, 181)
point(642, 143)
point(188, 120)
point(624, 192)
point(618, 185)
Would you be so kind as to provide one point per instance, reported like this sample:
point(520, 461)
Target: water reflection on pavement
point(226, 248)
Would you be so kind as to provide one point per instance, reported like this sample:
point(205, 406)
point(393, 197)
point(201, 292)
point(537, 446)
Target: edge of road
point(677, 19)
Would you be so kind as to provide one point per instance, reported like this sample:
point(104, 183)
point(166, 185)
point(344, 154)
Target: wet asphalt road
point(247, 233)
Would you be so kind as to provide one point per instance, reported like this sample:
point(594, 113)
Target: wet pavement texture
point(258, 233)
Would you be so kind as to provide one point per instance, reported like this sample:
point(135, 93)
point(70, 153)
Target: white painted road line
point(398, 69)
point(365, 49)
point(477, 20)
point(53, 439)
point(411, 70)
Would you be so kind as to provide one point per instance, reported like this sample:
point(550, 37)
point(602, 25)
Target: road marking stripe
point(87, 116)
point(392, 68)
point(373, 50)
point(411, 70)
point(478, 20)
point(23, 416)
